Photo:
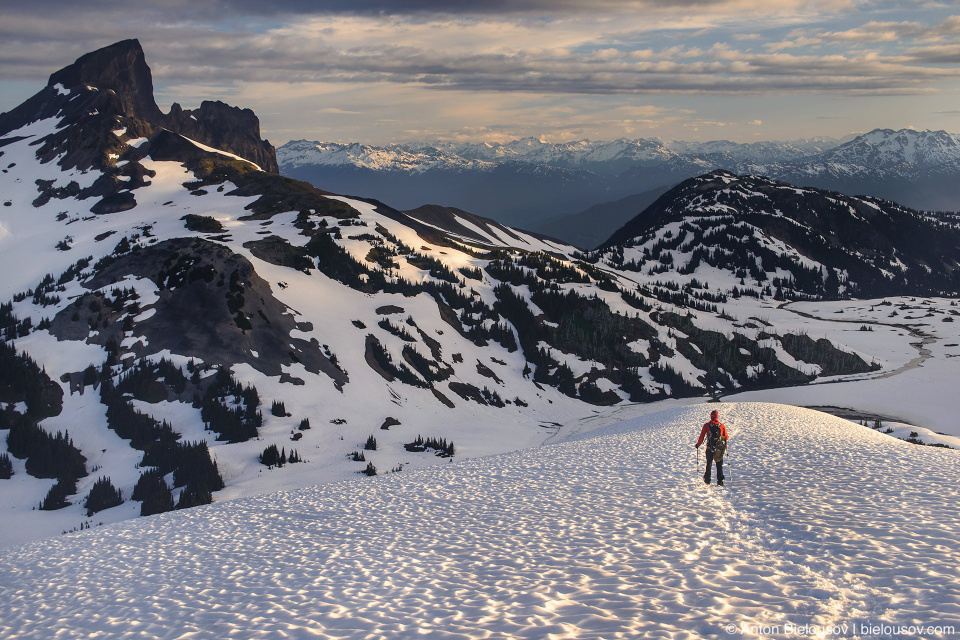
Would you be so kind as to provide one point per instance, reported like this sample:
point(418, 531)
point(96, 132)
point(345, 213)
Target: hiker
point(716, 434)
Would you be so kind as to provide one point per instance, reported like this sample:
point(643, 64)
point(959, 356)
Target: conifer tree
point(6, 467)
point(153, 493)
point(56, 498)
point(270, 457)
point(103, 495)
point(193, 496)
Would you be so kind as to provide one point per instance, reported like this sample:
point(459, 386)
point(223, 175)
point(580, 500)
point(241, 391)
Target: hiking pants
point(710, 462)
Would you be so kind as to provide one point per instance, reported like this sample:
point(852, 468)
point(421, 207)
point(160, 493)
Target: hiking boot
point(719, 483)
point(706, 479)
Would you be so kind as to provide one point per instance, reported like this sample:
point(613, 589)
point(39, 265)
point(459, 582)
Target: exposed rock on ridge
point(116, 81)
point(121, 68)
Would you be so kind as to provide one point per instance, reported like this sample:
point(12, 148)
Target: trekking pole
point(698, 463)
point(729, 466)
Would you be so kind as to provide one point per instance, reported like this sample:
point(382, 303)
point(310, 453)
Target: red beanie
point(714, 415)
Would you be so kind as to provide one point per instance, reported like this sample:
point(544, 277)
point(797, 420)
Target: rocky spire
point(121, 68)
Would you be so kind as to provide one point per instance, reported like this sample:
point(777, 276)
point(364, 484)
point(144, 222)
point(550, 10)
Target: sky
point(498, 70)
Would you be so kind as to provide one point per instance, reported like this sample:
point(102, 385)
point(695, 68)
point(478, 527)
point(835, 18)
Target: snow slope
point(611, 535)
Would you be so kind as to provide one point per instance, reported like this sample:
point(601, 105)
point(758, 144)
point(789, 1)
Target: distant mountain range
point(555, 188)
point(605, 158)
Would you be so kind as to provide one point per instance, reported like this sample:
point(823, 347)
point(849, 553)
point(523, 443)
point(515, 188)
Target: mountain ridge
point(529, 182)
point(118, 79)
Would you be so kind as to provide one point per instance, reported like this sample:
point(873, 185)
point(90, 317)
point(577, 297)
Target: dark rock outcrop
point(120, 68)
point(211, 305)
point(116, 81)
point(221, 126)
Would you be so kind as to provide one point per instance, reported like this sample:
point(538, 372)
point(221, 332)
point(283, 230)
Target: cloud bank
point(666, 57)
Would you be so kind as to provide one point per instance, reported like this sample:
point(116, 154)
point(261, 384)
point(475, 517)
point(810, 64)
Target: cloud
point(936, 54)
point(559, 55)
point(492, 66)
point(179, 9)
point(873, 32)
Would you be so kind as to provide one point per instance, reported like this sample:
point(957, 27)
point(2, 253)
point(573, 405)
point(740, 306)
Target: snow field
point(607, 536)
point(913, 389)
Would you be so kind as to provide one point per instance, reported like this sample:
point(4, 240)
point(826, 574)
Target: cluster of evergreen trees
point(822, 352)
point(74, 270)
point(273, 457)
point(474, 273)
point(230, 409)
point(10, 326)
point(588, 328)
point(396, 330)
point(492, 397)
point(531, 267)
point(435, 267)
point(192, 467)
point(56, 497)
point(22, 378)
point(399, 371)
point(427, 368)
point(103, 495)
point(142, 430)
point(442, 448)
point(689, 297)
point(47, 456)
point(143, 380)
point(190, 462)
point(44, 294)
point(153, 493)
